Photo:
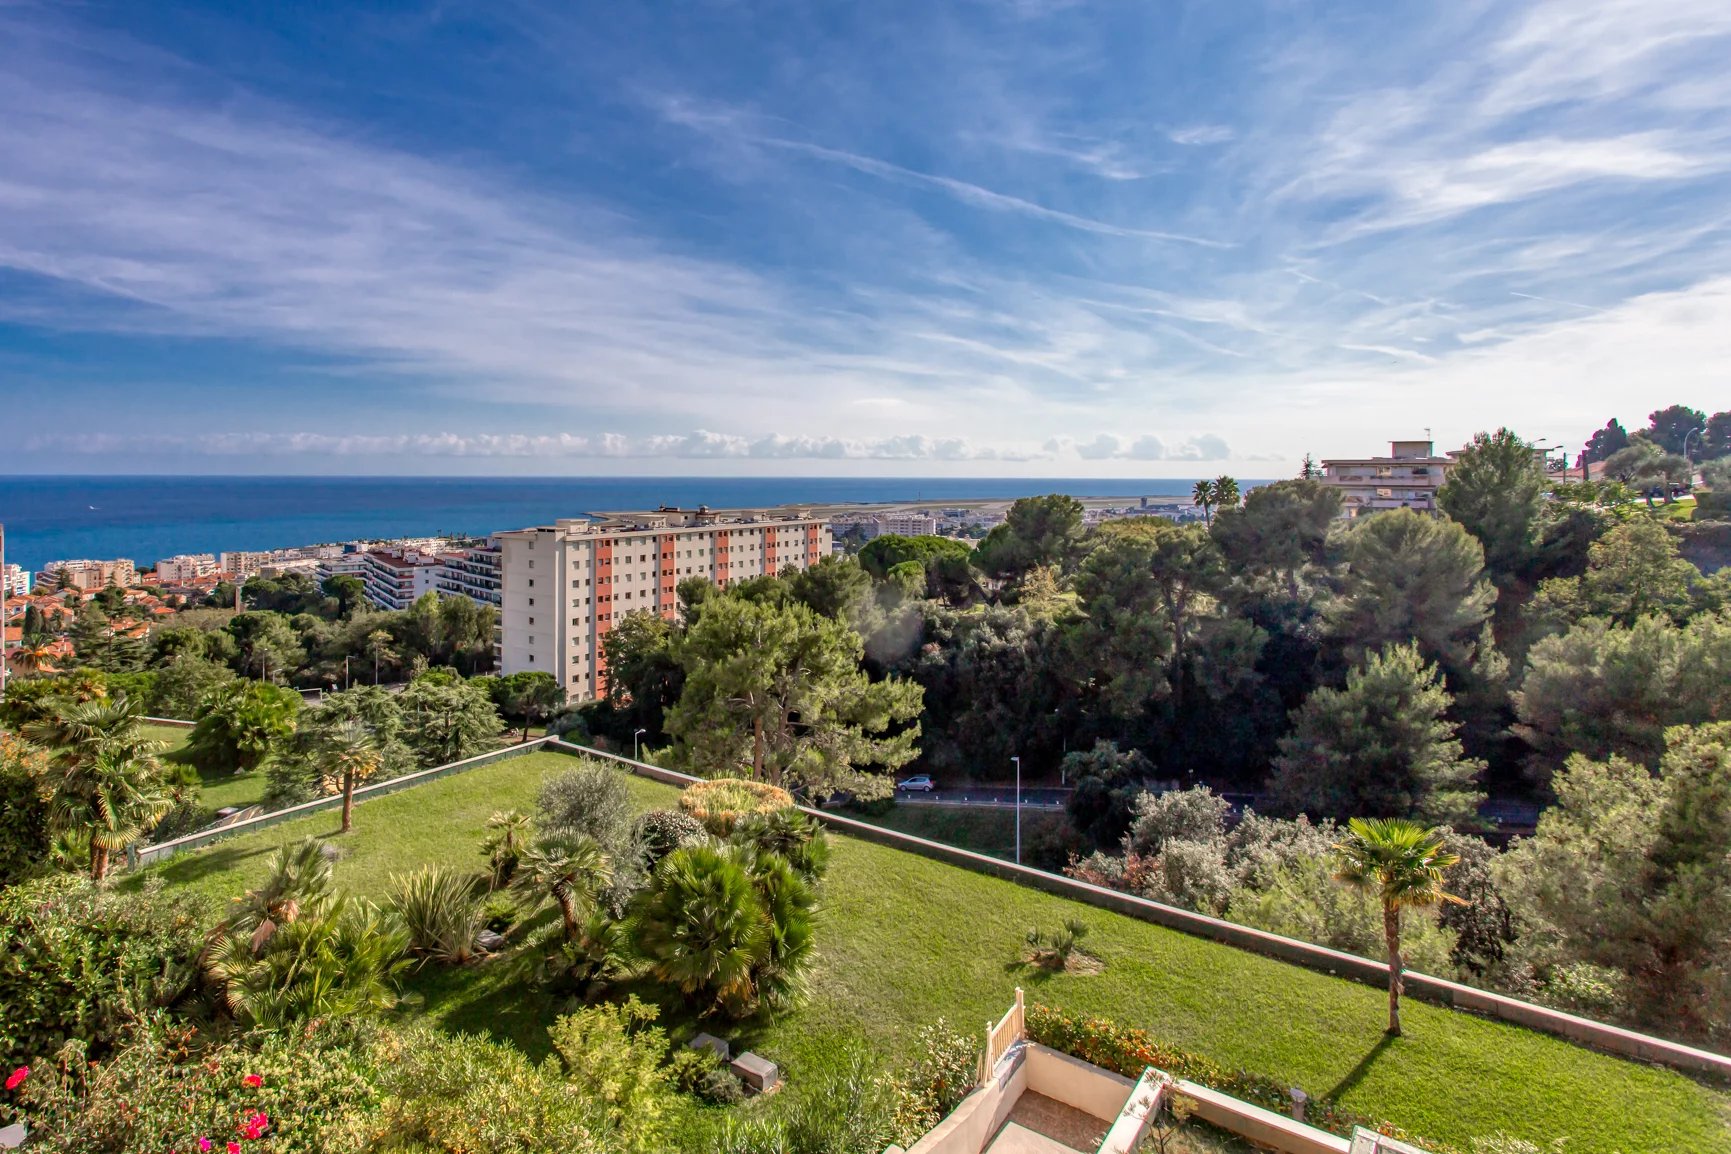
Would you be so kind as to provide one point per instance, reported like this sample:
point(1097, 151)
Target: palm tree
point(1403, 863)
point(77, 731)
point(351, 756)
point(504, 845)
point(36, 657)
point(703, 929)
point(299, 883)
point(1203, 496)
point(1226, 493)
point(571, 870)
point(340, 962)
point(110, 801)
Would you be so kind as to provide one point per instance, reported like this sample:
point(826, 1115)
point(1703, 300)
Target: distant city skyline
point(1020, 239)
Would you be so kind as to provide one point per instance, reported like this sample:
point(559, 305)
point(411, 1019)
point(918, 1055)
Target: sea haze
point(146, 518)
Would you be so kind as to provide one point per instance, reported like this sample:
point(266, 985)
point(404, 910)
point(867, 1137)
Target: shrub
point(731, 932)
point(441, 911)
point(701, 1073)
point(583, 964)
point(659, 832)
point(342, 960)
point(168, 1088)
point(591, 800)
point(25, 839)
point(92, 964)
point(723, 801)
point(466, 1095)
point(1061, 949)
point(787, 833)
point(946, 1070)
point(615, 1055)
point(499, 912)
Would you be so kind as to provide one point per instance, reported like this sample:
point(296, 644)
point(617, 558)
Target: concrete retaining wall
point(1598, 1035)
point(171, 722)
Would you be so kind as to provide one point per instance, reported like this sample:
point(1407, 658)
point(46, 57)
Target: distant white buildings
point(473, 573)
point(88, 576)
point(909, 524)
point(14, 581)
point(185, 567)
point(396, 579)
point(1408, 478)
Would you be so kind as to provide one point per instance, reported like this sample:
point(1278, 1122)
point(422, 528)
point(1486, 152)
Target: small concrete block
point(12, 1137)
point(758, 1074)
point(489, 942)
point(716, 1046)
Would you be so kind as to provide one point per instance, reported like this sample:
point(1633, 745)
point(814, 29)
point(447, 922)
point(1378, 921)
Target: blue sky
point(996, 238)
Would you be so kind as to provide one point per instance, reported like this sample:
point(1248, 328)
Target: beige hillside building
point(1407, 478)
point(564, 586)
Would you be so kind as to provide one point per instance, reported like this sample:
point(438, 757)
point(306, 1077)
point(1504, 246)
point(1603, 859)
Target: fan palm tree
point(299, 882)
point(352, 755)
point(110, 801)
point(341, 962)
point(35, 658)
point(504, 844)
point(1226, 494)
point(77, 731)
point(1202, 496)
point(703, 929)
point(571, 870)
point(1402, 863)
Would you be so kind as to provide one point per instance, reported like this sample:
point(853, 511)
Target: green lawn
point(905, 940)
point(216, 790)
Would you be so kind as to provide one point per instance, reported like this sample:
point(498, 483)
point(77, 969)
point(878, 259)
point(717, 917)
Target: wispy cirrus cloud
point(975, 246)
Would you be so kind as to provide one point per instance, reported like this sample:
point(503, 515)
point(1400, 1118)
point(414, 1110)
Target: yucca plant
point(441, 913)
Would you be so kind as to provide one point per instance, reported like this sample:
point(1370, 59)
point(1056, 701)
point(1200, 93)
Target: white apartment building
point(1407, 478)
point(14, 581)
point(473, 573)
point(907, 524)
point(184, 567)
point(396, 580)
point(564, 586)
point(88, 576)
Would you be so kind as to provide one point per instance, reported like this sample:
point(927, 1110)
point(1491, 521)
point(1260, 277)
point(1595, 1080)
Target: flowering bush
point(309, 1091)
point(1129, 1051)
point(720, 803)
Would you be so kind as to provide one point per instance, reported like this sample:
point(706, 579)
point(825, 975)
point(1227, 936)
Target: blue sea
point(146, 518)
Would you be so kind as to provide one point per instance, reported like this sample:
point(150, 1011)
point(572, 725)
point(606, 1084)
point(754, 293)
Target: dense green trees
point(1628, 877)
point(1496, 492)
point(776, 692)
point(1380, 747)
point(240, 725)
point(1036, 531)
point(447, 720)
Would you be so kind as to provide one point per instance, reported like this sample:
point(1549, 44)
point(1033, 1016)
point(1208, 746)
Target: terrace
point(1036, 1100)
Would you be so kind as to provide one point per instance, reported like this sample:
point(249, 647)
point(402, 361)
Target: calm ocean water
point(145, 518)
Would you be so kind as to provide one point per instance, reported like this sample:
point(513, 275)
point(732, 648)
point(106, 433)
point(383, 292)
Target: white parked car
point(921, 782)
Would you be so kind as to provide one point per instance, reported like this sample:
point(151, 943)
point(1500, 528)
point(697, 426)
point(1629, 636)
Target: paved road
point(988, 796)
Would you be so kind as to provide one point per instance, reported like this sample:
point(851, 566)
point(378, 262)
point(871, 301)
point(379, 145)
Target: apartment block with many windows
point(1408, 478)
point(564, 586)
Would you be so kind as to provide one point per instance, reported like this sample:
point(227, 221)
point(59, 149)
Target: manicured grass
point(904, 940)
point(216, 790)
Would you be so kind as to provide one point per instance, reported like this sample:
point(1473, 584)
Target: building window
point(531, 583)
point(531, 560)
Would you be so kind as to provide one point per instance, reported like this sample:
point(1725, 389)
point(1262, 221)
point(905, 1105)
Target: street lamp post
point(634, 737)
point(1018, 762)
point(1686, 437)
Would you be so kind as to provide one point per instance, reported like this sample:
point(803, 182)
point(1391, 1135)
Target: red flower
point(253, 1080)
point(17, 1078)
point(234, 1148)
